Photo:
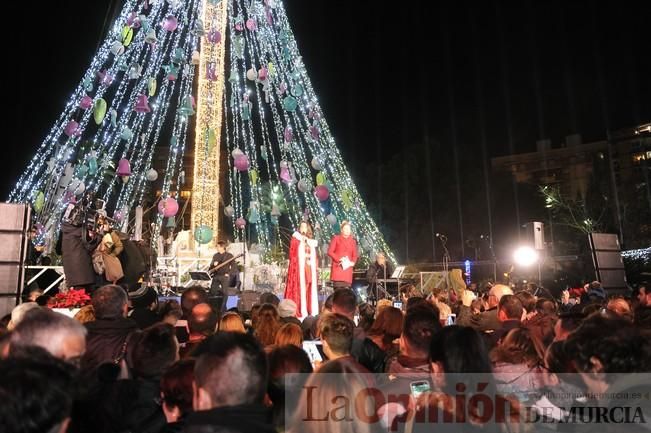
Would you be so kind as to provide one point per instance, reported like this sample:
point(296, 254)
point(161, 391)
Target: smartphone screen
point(451, 319)
point(419, 387)
point(314, 351)
point(398, 305)
point(182, 331)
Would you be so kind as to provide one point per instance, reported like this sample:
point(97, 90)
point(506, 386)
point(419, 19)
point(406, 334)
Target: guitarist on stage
point(224, 275)
point(343, 252)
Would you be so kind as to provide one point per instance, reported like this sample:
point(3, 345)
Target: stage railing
point(181, 266)
point(58, 269)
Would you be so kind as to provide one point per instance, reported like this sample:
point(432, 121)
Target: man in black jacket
point(227, 272)
point(230, 384)
point(509, 313)
point(364, 350)
point(223, 278)
point(108, 334)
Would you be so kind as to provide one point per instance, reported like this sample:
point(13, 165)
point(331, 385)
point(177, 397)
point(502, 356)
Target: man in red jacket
point(343, 252)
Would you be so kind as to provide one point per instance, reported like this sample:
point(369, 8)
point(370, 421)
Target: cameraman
point(78, 241)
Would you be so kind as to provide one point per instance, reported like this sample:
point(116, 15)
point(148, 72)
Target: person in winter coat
point(230, 377)
point(343, 252)
point(412, 364)
point(107, 338)
point(77, 248)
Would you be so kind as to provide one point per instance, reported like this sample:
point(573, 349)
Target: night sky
point(400, 83)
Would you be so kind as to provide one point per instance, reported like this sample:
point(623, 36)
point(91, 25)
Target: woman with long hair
point(289, 367)
point(176, 394)
point(302, 282)
point(232, 322)
point(267, 325)
point(324, 391)
point(386, 328)
point(289, 333)
point(518, 363)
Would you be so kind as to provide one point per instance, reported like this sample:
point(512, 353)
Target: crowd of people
point(146, 366)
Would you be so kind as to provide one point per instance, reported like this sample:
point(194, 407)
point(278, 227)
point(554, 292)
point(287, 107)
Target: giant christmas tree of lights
point(230, 72)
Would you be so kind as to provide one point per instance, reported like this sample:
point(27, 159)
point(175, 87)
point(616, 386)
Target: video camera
point(88, 212)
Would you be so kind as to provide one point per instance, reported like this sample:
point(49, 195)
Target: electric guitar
point(224, 263)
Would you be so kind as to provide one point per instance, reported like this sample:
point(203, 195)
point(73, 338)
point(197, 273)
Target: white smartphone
point(311, 347)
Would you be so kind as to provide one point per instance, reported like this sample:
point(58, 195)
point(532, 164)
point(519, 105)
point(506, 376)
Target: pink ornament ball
point(321, 192)
point(168, 207)
point(240, 223)
point(214, 37)
point(86, 102)
point(241, 162)
point(170, 23)
point(72, 129)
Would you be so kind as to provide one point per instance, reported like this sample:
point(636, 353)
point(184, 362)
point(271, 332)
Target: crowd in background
point(142, 365)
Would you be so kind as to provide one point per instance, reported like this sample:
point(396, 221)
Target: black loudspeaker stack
point(14, 226)
point(607, 260)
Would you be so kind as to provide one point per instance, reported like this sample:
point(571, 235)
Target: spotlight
point(525, 256)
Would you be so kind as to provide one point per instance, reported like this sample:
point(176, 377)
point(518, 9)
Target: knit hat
point(287, 308)
point(597, 290)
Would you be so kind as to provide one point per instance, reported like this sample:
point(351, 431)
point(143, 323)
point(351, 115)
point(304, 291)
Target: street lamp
point(525, 256)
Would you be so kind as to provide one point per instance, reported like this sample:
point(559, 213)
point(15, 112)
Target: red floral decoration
point(71, 299)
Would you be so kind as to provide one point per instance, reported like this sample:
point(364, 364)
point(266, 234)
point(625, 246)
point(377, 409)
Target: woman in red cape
point(301, 284)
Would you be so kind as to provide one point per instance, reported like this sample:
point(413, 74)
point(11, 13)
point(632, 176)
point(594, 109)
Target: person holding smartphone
point(449, 367)
point(410, 371)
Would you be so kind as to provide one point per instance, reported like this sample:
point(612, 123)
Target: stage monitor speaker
point(607, 260)
point(14, 222)
point(248, 299)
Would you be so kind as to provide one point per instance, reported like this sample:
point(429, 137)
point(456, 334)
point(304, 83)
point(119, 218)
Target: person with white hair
point(287, 310)
point(19, 312)
point(61, 336)
point(487, 320)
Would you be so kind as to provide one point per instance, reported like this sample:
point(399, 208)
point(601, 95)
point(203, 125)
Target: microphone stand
point(490, 247)
point(446, 261)
point(384, 285)
point(385, 276)
point(377, 288)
